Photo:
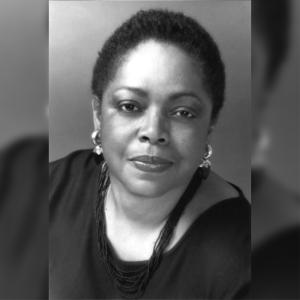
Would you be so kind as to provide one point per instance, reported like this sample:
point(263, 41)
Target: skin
point(156, 105)
point(161, 108)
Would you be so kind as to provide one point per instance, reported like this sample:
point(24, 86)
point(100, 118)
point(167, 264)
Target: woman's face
point(155, 119)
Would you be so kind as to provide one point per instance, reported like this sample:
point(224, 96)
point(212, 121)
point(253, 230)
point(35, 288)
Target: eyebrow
point(173, 96)
point(185, 94)
point(135, 90)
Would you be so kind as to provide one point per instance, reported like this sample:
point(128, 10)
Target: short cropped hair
point(172, 28)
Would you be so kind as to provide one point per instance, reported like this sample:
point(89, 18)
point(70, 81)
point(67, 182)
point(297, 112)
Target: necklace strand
point(132, 284)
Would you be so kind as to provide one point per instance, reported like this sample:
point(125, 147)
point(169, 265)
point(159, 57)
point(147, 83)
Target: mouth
point(148, 163)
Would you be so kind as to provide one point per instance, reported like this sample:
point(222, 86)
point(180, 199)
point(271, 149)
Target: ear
point(96, 106)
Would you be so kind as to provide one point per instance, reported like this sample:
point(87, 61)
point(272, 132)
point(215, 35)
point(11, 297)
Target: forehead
point(159, 66)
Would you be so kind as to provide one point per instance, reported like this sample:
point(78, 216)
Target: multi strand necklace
point(132, 284)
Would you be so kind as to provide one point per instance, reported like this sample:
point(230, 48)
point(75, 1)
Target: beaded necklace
point(132, 284)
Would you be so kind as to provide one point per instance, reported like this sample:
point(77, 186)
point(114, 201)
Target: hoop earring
point(206, 163)
point(96, 139)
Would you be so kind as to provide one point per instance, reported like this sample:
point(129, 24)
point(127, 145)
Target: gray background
point(77, 30)
point(23, 69)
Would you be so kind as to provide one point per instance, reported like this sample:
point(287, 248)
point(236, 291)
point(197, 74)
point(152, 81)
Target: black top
point(212, 259)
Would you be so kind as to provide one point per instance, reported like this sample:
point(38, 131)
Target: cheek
point(110, 133)
point(115, 132)
point(191, 142)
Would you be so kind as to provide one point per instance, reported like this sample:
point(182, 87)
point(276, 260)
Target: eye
point(129, 107)
point(182, 113)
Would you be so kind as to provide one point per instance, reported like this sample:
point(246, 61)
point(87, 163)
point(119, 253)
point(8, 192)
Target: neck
point(143, 212)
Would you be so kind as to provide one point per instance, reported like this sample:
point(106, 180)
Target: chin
point(147, 189)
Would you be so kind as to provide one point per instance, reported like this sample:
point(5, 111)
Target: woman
point(143, 216)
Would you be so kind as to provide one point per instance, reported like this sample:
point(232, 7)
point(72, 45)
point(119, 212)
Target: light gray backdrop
point(77, 30)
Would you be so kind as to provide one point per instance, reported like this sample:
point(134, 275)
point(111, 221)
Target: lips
point(147, 159)
point(148, 163)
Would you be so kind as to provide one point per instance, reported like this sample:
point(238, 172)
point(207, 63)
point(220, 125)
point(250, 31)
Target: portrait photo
point(150, 149)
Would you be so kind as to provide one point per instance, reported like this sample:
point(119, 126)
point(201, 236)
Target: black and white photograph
point(150, 149)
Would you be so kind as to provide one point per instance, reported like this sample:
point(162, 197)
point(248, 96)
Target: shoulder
point(77, 163)
point(222, 201)
point(222, 236)
point(224, 227)
point(71, 162)
point(216, 187)
point(70, 173)
point(228, 217)
point(228, 225)
point(217, 247)
point(220, 222)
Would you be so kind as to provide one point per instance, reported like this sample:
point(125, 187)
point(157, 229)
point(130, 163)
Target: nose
point(154, 129)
